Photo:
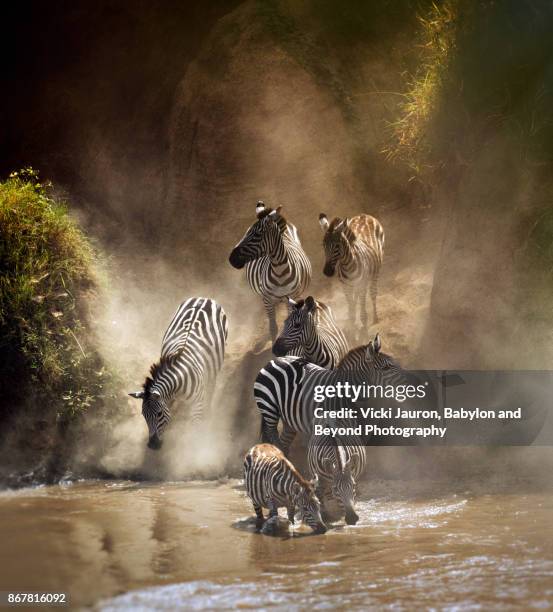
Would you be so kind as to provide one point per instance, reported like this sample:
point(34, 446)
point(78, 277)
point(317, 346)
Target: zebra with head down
point(276, 264)
point(337, 468)
point(192, 353)
point(310, 331)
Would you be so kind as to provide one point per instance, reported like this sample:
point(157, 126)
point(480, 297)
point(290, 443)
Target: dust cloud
point(253, 119)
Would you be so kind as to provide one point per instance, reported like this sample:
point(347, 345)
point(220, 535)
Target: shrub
point(48, 274)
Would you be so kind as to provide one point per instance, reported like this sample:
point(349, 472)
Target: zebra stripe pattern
point(272, 482)
point(337, 469)
point(276, 264)
point(310, 331)
point(192, 353)
point(283, 389)
point(354, 248)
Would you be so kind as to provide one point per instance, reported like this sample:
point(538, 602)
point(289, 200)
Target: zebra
point(283, 389)
point(276, 264)
point(355, 249)
point(310, 331)
point(272, 481)
point(192, 353)
point(338, 468)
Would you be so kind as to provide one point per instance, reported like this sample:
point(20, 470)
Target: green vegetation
point(47, 358)
point(410, 141)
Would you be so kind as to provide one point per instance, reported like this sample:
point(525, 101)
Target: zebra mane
point(357, 354)
point(303, 482)
point(346, 231)
point(341, 456)
point(157, 368)
point(353, 354)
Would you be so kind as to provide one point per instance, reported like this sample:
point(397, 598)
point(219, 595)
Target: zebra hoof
point(259, 523)
point(275, 526)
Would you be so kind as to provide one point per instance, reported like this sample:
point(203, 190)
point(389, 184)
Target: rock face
point(249, 122)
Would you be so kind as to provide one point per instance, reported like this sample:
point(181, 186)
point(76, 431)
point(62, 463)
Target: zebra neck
point(341, 457)
point(172, 381)
point(283, 255)
point(351, 266)
point(321, 347)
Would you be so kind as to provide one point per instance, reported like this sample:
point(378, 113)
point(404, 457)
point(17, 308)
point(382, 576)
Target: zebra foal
point(272, 482)
point(354, 248)
point(310, 331)
point(192, 353)
point(276, 264)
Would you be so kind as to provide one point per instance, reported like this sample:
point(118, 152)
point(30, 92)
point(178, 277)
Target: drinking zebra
point(273, 482)
point(310, 331)
point(338, 468)
point(283, 389)
point(192, 352)
point(276, 264)
point(354, 248)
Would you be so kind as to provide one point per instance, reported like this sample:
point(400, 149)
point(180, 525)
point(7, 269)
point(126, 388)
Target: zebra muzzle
point(351, 518)
point(236, 260)
point(328, 270)
point(279, 348)
point(154, 443)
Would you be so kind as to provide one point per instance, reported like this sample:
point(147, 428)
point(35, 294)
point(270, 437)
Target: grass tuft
point(409, 142)
point(47, 277)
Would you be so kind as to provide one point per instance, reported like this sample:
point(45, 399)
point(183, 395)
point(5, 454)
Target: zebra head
point(343, 485)
point(337, 242)
point(299, 327)
point(309, 505)
point(263, 238)
point(155, 411)
point(377, 359)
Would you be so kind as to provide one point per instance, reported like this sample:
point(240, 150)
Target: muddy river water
point(117, 545)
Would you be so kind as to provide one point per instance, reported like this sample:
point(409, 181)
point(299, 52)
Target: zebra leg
point(271, 315)
point(198, 410)
point(291, 513)
point(286, 439)
point(363, 310)
point(273, 508)
point(374, 291)
point(323, 494)
point(259, 517)
point(349, 293)
point(269, 432)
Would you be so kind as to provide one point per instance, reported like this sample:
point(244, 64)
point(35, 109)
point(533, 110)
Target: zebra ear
point(155, 393)
point(323, 221)
point(370, 353)
point(310, 303)
point(377, 343)
point(259, 207)
point(137, 394)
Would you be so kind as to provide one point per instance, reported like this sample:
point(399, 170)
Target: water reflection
point(196, 544)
